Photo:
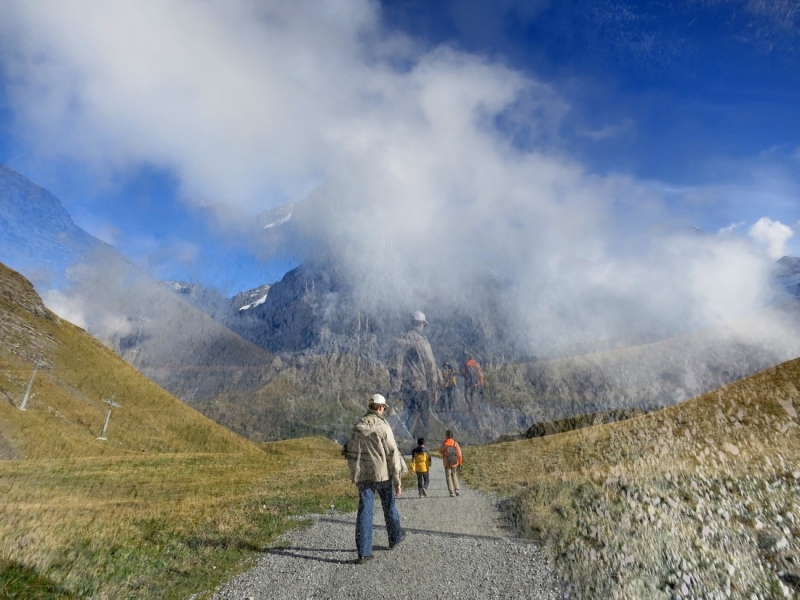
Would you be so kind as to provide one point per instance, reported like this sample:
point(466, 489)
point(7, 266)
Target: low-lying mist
point(582, 260)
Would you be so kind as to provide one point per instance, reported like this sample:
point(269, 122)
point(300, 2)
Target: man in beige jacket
point(376, 465)
point(414, 376)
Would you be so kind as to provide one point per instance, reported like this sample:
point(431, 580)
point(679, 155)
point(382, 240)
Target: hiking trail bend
point(454, 548)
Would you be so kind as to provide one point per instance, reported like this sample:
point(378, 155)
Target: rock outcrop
point(581, 421)
point(18, 290)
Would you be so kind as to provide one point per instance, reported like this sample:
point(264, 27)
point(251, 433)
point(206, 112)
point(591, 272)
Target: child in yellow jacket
point(421, 465)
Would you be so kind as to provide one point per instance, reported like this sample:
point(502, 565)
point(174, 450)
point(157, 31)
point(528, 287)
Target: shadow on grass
point(19, 581)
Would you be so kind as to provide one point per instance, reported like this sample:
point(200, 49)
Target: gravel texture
point(454, 548)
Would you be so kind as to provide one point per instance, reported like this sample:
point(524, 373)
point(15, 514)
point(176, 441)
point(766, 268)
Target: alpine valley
point(297, 357)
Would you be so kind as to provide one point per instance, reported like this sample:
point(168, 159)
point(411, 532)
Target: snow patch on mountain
point(253, 304)
point(281, 221)
point(276, 217)
point(251, 298)
point(180, 287)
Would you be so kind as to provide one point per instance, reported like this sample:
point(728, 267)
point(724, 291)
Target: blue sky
point(167, 128)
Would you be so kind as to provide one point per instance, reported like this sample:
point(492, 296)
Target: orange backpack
point(473, 373)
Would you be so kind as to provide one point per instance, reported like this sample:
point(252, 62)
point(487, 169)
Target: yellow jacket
point(420, 460)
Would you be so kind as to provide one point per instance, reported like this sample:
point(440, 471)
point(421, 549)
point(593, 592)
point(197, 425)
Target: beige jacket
point(412, 365)
point(372, 452)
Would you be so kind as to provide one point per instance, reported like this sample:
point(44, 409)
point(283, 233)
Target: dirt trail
point(454, 547)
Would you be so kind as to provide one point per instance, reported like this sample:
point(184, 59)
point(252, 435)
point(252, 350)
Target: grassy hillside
point(65, 412)
point(701, 499)
point(170, 505)
point(156, 525)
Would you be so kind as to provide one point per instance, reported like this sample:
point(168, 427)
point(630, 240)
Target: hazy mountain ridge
point(312, 310)
point(39, 236)
point(178, 346)
point(787, 273)
point(206, 299)
point(307, 313)
point(250, 298)
point(311, 343)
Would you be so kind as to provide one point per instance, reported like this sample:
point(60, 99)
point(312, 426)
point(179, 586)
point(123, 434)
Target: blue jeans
point(366, 499)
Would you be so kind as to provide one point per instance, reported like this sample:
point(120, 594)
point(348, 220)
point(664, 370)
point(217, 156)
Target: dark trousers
point(423, 479)
point(447, 398)
point(473, 394)
point(418, 405)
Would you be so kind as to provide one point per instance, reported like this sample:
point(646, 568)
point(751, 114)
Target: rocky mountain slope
point(787, 272)
point(306, 320)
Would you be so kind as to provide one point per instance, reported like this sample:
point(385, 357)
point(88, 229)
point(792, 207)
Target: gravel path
point(454, 548)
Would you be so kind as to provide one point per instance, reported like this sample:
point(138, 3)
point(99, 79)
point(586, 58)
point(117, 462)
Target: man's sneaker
point(458, 493)
point(452, 495)
point(400, 539)
point(362, 559)
point(423, 493)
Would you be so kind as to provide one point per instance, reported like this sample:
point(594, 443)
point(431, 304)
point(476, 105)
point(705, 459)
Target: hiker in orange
point(473, 382)
point(451, 458)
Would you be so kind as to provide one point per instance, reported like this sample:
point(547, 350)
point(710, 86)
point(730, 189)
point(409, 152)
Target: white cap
point(378, 400)
point(420, 316)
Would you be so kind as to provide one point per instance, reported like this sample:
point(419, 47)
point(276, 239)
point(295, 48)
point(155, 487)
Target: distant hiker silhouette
point(450, 389)
point(414, 377)
point(473, 382)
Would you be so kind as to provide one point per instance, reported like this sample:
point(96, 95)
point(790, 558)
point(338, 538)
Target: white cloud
point(88, 312)
point(409, 180)
point(773, 235)
point(730, 229)
point(238, 97)
point(68, 307)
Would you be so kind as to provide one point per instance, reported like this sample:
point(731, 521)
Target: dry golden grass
point(629, 508)
point(160, 525)
point(170, 505)
point(65, 412)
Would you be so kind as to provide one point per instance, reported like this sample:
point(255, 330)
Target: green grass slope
point(171, 505)
point(65, 412)
point(701, 499)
